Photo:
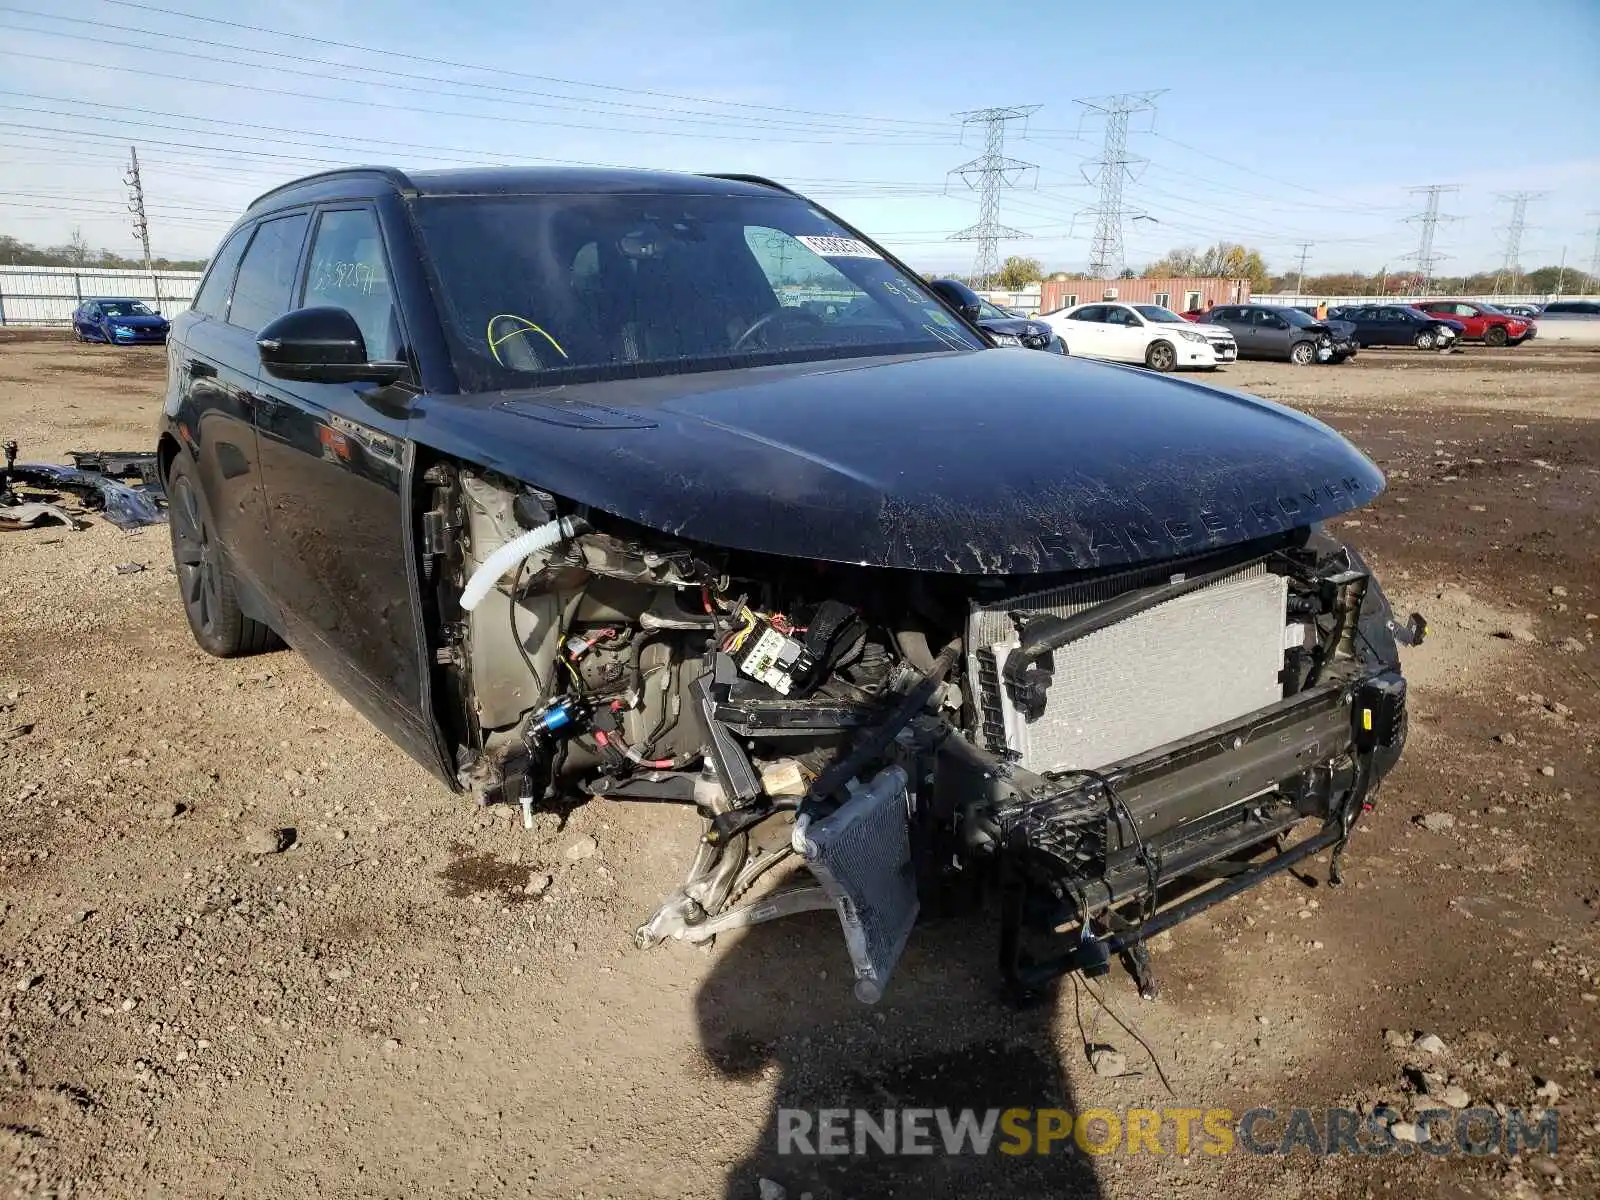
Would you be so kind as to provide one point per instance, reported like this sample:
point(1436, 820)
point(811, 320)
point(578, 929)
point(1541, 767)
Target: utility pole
point(1594, 258)
point(1561, 275)
point(1510, 265)
point(1113, 167)
point(1300, 282)
point(1429, 218)
point(986, 175)
point(141, 227)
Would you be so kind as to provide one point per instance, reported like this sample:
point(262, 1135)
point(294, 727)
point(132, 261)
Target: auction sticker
point(837, 247)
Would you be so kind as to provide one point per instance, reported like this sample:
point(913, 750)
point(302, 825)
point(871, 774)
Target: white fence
point(48, 295)
point(1339, 301)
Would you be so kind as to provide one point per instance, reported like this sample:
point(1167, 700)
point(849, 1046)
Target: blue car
point(119, 322)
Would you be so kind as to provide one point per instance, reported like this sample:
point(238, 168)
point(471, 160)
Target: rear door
point(1273, 334)
point(336, 466)
point(213, 366)
point(1084, 331)
point(1242, 323)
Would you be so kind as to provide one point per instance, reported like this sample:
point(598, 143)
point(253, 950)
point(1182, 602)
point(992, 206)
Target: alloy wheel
point(195, 553)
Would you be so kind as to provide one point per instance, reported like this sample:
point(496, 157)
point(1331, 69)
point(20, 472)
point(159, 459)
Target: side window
point(265, 287)
point(1466, 310)
point(348, 270)
point(212, 299)
point(1268, 319)
point(1120, 316)
point(1094, 313)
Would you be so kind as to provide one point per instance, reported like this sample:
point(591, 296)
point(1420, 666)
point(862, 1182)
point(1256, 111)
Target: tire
point(1303, 354)
point(205, 584)
point(1160, 356)
point(1495, 335)
point(1426, 340)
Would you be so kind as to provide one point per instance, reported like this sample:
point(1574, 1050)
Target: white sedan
point(1142, 333)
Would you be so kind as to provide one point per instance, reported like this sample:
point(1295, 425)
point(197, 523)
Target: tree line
point(1230, 260)
point(78, 253)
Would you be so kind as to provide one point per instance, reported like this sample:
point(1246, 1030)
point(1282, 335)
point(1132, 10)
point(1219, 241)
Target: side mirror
point(321, 345)
point(963, 301)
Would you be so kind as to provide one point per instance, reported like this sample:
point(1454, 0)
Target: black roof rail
point(760, 180)
point(392, 174)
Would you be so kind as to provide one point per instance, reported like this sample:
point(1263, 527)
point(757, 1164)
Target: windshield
point(993, 312)
point(1162, 316)
point(541, 290)
point(1297, 318)
point(126, 308)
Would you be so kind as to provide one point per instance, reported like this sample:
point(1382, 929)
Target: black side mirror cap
point(321, 345)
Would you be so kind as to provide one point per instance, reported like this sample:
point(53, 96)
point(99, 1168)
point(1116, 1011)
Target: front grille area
point(1168, 673)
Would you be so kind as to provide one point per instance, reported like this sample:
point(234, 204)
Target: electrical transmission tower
point(1510, 267)
point(1429, 218)
point(141, 227)
point(1114, 166)
point(1300, 274)
point(986, 175)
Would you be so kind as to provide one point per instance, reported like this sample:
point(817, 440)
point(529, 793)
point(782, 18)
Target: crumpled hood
point(986, 462)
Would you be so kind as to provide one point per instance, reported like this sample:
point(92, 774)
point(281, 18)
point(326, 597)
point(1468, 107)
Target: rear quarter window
point(212, 299)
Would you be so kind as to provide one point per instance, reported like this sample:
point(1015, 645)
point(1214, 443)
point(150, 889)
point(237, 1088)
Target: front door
point(1125, 335)
point(336, 464)
point(215, 381)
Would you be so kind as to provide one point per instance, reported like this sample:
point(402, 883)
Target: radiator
point(1168, 673)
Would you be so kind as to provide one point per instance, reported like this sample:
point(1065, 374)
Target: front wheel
point(1161, 356)
point(1495, 335)
point(1303, 354)
point(204, 580)
point(1426, 340)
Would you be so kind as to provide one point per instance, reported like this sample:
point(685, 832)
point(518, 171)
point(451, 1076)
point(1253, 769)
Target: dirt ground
point(393, 1007)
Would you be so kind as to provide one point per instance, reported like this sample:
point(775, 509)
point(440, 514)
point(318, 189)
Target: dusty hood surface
point(984, 462)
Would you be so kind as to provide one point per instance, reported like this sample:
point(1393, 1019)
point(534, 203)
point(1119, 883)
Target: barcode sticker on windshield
point(837, 247)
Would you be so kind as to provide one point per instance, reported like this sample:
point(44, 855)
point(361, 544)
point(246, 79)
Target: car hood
point(137, 322)
point(984, 462)
point(1207, 328)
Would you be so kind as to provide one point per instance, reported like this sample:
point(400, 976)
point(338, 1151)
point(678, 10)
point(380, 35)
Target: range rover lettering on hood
point(982, 462)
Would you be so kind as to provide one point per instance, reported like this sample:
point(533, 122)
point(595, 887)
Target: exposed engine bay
point(1087, 748)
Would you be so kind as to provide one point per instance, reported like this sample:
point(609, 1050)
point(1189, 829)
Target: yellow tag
point(1366, 719)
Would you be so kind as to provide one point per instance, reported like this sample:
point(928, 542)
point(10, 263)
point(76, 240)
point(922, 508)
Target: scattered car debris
point(29, 492)
point(129, 568)
point(30, 513)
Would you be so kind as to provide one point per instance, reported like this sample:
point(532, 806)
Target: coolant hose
point(508, 556)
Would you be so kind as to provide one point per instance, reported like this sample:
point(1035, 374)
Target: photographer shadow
point(942, 1038)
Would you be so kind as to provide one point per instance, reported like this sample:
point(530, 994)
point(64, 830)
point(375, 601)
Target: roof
point(514, 181)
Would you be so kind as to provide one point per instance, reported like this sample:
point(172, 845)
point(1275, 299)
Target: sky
point(1274, 125)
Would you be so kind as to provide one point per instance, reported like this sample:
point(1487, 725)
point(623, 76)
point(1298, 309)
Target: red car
point(1484, 322)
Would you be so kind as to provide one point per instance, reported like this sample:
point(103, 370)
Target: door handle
point(199, 370)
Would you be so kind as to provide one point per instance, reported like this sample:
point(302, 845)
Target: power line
point(987, 174)
point(704, 102)
point(1429, 219)
point(500, 118)
point(1510, 265)
point(1115, 165)
point(441, 86)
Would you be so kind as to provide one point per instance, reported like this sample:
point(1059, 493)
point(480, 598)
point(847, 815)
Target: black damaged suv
point(676, 488)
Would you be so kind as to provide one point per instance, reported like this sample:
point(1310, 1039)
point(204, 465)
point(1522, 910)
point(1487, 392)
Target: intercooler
point(1167, 673)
